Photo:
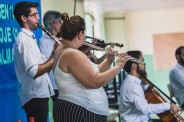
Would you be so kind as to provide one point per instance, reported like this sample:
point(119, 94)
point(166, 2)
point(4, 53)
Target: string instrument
point(102, 44)
point(154, 95)
point(85, 43)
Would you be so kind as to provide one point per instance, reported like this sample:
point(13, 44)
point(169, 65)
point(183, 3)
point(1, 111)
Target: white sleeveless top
point(70, 89)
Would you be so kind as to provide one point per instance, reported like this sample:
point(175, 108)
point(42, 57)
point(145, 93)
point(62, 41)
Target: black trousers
point(156, 120)
point(65, 111)
point(54, 97)
point(37, 108)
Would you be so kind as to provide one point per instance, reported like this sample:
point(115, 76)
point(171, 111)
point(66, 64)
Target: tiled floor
point(112, 118)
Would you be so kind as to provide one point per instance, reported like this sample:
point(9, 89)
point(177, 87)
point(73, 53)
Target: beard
point(181, 61)
point(33, 26)
point(140, 71)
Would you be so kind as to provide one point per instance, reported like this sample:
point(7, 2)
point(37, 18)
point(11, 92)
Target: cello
point(154, 96)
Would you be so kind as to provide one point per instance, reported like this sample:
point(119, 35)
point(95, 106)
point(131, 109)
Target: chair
point(170, 91)
point(114, 115)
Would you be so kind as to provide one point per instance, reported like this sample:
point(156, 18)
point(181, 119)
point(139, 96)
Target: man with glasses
point(34, 15)
point(52, 21)
point(31, 67)
point(133, 105)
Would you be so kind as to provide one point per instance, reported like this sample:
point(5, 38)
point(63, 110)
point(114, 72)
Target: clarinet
point(48, 33)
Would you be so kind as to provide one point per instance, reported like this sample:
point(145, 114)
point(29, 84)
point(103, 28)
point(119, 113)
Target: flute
point(48, 33)
point(88, 44)
point(114, 53)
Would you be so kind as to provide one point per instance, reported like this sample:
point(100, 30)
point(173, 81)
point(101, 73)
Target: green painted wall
point(159, 78)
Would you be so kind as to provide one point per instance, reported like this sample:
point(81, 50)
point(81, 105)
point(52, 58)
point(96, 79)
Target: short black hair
point(178, 50)
point(23, 8)
point(134, 54)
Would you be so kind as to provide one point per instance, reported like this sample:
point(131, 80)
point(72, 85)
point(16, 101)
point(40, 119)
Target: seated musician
point(133, 105)
point(176, 76)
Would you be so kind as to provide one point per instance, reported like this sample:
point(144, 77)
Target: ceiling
point(130, 5)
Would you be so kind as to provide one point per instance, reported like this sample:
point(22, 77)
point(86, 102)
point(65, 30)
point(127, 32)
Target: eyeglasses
point(34, 15)
point(60, 21)
point(138, 61)
point(143, 63)
point(57, 21)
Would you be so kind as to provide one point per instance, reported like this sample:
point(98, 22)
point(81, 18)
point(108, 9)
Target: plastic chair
point(170, 91)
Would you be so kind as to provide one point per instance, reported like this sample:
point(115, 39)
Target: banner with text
point(10, 109)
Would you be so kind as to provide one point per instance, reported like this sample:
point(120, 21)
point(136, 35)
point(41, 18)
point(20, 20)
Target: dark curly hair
point(71, 26)
point(23, 8)
point(134, 54)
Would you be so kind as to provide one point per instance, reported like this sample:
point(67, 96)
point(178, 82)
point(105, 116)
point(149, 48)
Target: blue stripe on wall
point(159, 78)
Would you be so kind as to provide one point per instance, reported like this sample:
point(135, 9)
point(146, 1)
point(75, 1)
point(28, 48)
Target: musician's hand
point(174, 108)
point(59, 39)
point(111, 54)
point(95, 41)
point(92, 57)
point(122, 59)
point(55, 46)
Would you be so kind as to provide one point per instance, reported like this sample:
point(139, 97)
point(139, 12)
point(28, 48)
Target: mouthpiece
point(39, 25)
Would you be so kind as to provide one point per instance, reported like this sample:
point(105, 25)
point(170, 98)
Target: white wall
point(115, 27)
point(62, 6)
point(92, 9)
point(142, 25)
